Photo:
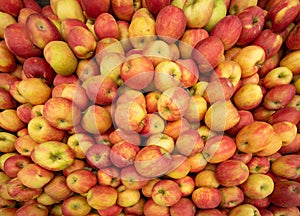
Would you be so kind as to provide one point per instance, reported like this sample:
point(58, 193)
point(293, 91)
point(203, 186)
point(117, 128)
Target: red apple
point(12, 7)
point(206, 197)
point(95, 8)
point(97, 156)
point(124, 10)
point(81, 181)
point(106, 26)
point(155, 6)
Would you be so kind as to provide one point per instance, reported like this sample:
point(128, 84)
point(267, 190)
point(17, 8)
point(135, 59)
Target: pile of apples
point(150, 107)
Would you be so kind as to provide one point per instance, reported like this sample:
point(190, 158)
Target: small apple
point(277, 76)
point(106, 26)
point(97, 156)
point(81, 181)
point(102, 196)
point(127, 197)
point(75, 205)
point(92, 11)
point(57, 188)
point(231, 197)
point(254, 96)
point(206, 197)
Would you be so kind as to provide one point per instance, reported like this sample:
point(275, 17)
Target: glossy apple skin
point(291, 191)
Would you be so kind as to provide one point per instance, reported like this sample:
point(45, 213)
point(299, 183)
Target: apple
point(157, 51)
point(80, 143)
point(87, 68)
point(10, 122)
point(106, 26)
point(12, 7)
point(277, 76)
point(258, 186)
point(156, 6)
point(276, 11)
point(252, 19)
point(147, 188)
point(53, 155)
point(175, 128)
point(289, 61)
point(276, 210)
point(127, 197)
point(82, 42)
point(97, 156)
point(231, 197)
point(231, 172)
point(20, 46)
point(102, 196)
point(124, 10)
point(166, 27)
point(67, 24)
point(213, 212)
point(60, 57)
point(196, 15)
point(291, 148)
point(75, 205)
point(250, 62)
point(76, 165)
point(286, 130)
point(151, 208)
point(189, 142)
point(235, 7)
point(218, 90)
point(109, 176)
point(6, 80)
point(129, 116)
point(152, 156)
point(206, 57)
point(81, 181)
point(275, 42)
point(7, 20)
point(269, 64)
point(118, 135)
point(246, 117)
point(259, 164)
point(131, 178)
point(123, 154)
point(67, 9)
point(41, 30)
point(8, 211)
point(221, 116)
point(290, 114)
point(70, 79)
point(93, 10)
point(24, 145)
point(57, 188)
point(110, 211)
point(290, 189)
point(34, 208)
point(48, 12)
point(137, 71)
point(20, 193)
point(291, 41)
point(128, 95)
point(189, 39)
point(206, 197)
point(186, 184)
point(253, 137)
point(286, 166)
point(34, 176)
point(14, 164)
point(244, 208)
point(274, 143)
point(227, 35)
point(9, 63)
point(167, 74)
point(254, 96)
point(180, 167)
point(38, 67)
point(206, 178)
point(196, 109)
point(218, 13)
point(153, 124)
point(173, 103)
point(138, 36)
point(41, 131)
point(6, 100)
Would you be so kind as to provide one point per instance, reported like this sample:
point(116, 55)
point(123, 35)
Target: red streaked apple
point(153, 156)
point(277, 76)
point(68, 24)
point(286, 166)
point(97, 7)
point(166, 192)
point(102, 196)
point(106, 26)
point(246, 117)
point(7, 20)
point(57, 188)
point(231, 172)
point(274, 143)
point(231, 197)
point(229, 36)
point(82, 42)
point(161, 139)
point(53, 155)
point(34, 176)
point(68, 116)
point(173, 103)
point(291, 148)
point(14, 164)
point(189, 39)
point(250, 58)
point(81, 181)
point(131, 179)
point(87, 68)
point(21, 46)
point(286, 130)
point(252, 19)
point(269, 41)
point(206, 57)
point(157, 51)
point(109, 176)
point(157, 5)
point(41, 30)
point(110, 211)
point(206, 197)
point(289, 61)
point(98, 156)
point(206, 178)
point(68, 9)
point(189, 142)
point(33, 208)
point(236, 6)
point(189, 72)
point(151, 208)
point(124, 10)
point(123, 154)
point(6, 100)
point(9, 62)
point(75, 205)
point(10, 122)
point(153, 124)
point(169, 28)
point(196, 109)
point(80, 143)
point(244, 208)
point(259, 164)
point(24, 145)
point(127, 197)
